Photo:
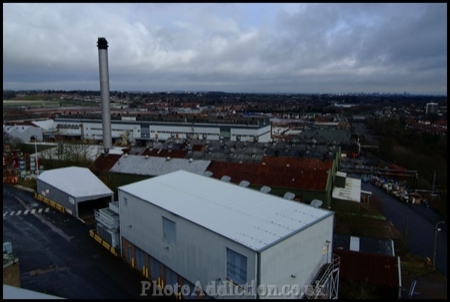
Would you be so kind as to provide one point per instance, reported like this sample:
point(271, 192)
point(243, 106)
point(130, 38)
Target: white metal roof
point(244, 215)
point(340, 173)
point(76, 181)
point(18, 128)
point(45, 125)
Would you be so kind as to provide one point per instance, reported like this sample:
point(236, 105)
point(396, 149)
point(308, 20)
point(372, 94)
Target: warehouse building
point(76, 189)
point(188, 229)
point(142, 129)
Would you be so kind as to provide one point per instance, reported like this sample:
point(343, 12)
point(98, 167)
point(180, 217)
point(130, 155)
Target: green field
point(54, 102)
point(41, 103)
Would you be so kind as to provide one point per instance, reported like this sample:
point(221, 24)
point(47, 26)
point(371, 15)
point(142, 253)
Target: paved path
point(418, 222)
point(429, 286)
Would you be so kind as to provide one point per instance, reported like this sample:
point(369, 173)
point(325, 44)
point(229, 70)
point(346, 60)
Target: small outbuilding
point(76, 189)
point(25, 133)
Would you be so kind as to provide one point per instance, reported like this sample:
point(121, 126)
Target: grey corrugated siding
point(154, 166)
point(56, 195)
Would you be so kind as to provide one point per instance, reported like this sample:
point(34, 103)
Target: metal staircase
point(326, 283)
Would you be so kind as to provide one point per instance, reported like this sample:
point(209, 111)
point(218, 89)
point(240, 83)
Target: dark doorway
point(86, 208)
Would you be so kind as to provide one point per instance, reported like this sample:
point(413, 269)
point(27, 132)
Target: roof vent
point(168, 158)
point(191, 160)
point(288, 165)
point(316, 203)
point(126, 155)
point(207, 173)
point(146, 157)
point(225, 178)
point(289, 195)
point(244, 183)
point(265, 189)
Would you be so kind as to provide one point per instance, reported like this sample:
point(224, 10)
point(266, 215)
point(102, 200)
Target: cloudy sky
point(265, 47)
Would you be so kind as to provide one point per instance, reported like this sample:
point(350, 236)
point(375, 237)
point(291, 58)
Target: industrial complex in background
point(224, 199)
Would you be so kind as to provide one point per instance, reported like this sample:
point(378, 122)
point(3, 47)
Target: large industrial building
point(190, 229)
point(140, 129)
point(76, 189)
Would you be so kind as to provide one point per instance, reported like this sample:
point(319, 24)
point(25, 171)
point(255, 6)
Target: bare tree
point(13, 142)
point(48, 154)
point(78, 153)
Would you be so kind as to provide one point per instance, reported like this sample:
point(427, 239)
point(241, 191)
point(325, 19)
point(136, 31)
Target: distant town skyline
point(229, 47)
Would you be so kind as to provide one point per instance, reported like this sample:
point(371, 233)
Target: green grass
point(414, 266)
point(69, 103)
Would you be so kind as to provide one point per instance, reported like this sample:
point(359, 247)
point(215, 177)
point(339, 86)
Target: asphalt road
point(58, 257)
point(418, 224)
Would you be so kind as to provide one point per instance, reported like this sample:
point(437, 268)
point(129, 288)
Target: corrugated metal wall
point(58, 196)
point(199, 254)
point(300, 255)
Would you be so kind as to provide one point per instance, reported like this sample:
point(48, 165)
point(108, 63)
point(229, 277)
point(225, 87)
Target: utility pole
point(436, 230)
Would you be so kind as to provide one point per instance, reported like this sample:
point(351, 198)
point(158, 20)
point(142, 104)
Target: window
point(236, 267)
point(169, 233)
point(125, 201)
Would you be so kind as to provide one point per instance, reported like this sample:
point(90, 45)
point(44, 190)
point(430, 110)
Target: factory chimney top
point(102, 43)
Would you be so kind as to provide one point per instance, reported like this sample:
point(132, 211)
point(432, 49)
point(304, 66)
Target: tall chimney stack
point(102, 45)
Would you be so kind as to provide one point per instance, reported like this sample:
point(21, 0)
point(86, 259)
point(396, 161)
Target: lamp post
point(436, 230)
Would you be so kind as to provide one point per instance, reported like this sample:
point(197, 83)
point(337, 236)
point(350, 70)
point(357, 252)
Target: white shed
point(24, 132)
point(195, 230)
point(76, 189)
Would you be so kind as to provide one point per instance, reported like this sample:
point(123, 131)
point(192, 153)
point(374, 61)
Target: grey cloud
point(242, 47)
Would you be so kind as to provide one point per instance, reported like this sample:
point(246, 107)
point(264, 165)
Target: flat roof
point(382, 246)
point(351, 191)
point(249, 217)
point(76, 181)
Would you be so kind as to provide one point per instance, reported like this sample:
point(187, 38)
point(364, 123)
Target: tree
point(13, 142)
point(75, 153)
